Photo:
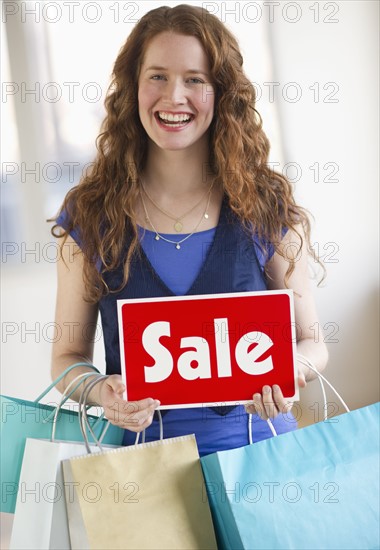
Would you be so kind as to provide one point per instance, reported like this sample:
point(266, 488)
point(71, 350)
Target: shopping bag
point(40, 516)
point(40, 519)
point(316, 487)
point(21, 419)
point(148, 496)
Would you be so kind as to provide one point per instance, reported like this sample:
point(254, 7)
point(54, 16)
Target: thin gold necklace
point(176, 243)
point(178, 225)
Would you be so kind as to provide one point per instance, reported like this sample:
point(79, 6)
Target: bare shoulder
point(70, 270)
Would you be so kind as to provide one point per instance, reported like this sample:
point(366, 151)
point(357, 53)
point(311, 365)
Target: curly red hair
point(103, 204)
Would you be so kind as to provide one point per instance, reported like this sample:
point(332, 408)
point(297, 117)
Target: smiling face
point(175, 96)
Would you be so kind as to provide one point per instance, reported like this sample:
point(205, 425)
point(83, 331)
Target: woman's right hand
point(129, 415)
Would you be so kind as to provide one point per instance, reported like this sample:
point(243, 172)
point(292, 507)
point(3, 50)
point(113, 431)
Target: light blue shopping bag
point(313, 488)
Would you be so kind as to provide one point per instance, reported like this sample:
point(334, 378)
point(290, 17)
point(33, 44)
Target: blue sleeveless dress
point(230, 265)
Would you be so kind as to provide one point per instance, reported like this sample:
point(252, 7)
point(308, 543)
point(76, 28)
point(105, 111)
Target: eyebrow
point(192, 71)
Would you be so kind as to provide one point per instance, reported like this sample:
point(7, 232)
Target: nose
point(175, 92)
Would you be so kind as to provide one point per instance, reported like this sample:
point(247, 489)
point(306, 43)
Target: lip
point(173, 112)
point(176, 128)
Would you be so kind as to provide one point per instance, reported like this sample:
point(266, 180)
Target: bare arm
point(305, 317)
point(75, 317)
point(304, 305)
point(77, 321)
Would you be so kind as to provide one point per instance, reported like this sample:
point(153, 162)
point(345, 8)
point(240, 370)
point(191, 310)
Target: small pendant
point(178, 246)
point(178, 226)
point(157, 238)
point(206, 216)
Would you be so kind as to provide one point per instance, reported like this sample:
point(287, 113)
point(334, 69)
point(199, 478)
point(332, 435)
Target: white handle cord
point(305, 361)
point(62, 375)
point(161, 430)
point(55, 382)
point(269, 422)
point(83, 418)
point(82, 377)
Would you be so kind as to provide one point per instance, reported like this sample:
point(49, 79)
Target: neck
point(177, 172)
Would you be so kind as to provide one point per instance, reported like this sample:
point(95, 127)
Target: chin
point(173, 146)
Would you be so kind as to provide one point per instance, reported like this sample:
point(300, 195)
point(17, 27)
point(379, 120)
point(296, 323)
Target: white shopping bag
point(40, 520)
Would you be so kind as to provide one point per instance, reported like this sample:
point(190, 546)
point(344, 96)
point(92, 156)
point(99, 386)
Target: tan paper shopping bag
point(148, 496)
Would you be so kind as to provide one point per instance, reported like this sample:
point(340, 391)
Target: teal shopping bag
point(21, 419)
point(313, 488)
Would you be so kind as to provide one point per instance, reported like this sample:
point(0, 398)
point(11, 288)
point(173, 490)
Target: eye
point(196, 80)
point(157, 77)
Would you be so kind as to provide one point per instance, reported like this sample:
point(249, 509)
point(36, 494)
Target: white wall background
point(310, 51)
point(345, 54)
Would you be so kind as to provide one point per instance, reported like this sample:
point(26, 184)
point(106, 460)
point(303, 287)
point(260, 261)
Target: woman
point(180, 200)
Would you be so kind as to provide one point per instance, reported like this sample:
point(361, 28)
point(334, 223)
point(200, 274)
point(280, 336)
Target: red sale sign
point(190, 351)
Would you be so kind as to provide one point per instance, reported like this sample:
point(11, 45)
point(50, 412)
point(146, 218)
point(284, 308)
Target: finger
point(115, 411)
point(131, 414)
point(118, 411)
point(137, 424)
point(269, 404)
point(279, 399)
point(148, 404)
point(259, 406)
point(282, 404)
point(250, 408)
point(116, 384)
point(128, 416)
point(138, 412)
point(148, 421)
point(301, 380)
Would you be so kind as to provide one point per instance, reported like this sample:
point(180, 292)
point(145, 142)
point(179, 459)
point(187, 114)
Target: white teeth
point(169, 117)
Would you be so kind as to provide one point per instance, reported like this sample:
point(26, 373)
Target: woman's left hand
point(271, 402)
